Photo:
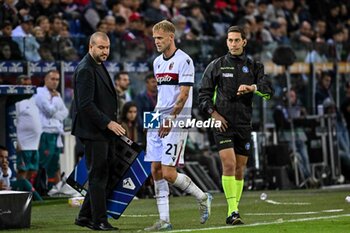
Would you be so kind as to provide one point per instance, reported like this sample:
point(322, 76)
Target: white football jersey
point(171, 73)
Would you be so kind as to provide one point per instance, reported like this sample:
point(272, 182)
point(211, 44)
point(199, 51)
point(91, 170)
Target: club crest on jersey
point(245, 69)
point(171, 65)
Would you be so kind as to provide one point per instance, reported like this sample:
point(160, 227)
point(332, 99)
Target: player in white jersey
point(174, 72)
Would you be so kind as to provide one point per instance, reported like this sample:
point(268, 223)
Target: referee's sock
point(230, 190)
point(239, 187)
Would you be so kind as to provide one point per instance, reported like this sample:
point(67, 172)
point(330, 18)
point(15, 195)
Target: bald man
point(95, 124)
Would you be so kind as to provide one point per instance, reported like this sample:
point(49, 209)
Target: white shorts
point(169, 150)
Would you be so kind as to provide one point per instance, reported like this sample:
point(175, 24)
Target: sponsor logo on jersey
point(227, 75)
point(167, 79)
point(188, 61)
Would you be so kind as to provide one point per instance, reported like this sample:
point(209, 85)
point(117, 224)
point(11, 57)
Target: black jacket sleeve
point(263, 84)
point(207, 89)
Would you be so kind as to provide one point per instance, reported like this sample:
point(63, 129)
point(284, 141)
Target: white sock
point(185, 183)
point(161, 188)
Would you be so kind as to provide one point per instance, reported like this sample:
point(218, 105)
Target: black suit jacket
point(95, 101)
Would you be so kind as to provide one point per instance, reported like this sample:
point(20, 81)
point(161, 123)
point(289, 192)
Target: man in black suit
point(94, 123)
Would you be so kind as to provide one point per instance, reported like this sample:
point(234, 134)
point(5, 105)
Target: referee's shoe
point(234, 219)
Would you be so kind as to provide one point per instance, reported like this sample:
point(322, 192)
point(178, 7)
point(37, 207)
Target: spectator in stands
point(55, 37)
point(128, 120)
point(345, 109)
point(110, 21)
point(284, 39)
point(342, 136)
point(154, 12)
point(8, 12)
point(5, 170)
point(52, 113)
point(261, 10)
point(324, 99)
point(46, 53)
point(102, 27)
point(119, 8)
point(69, 9)
point(166, 8)
point(46, 7)
point(26, 7)
point(6, 38)
point(291, 16)
point(274, 10)
point(91, 15)
point(43, 22)
point(336, 46)
point(247, 11)
point(282, 116)
point(146, 102)
point(320, 30)
point(139, 45)
point(198, 20)
point(121, 35)
point(25, 40)
point(261, 34)
point(121, 83)
point(180, 23)
point(5, 52)
point(333, 19)
point(304, 35)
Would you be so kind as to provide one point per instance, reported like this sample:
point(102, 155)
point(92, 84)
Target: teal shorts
point(28, 160)
point(49, 154)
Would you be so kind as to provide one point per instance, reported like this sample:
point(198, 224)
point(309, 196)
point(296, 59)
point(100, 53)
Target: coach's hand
point(244, 89)
point(217, 117)
point(116, 128)
point(164, 130)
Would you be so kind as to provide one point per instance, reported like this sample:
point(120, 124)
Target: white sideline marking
point(251, 214)
point(296, 213)
point(278, 221)
point(139, 215)
point(286, 203)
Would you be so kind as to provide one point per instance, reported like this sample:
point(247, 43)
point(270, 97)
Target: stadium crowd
point(52, 30)
point(47, 30)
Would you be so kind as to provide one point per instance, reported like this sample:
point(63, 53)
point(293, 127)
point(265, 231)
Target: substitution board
point(129, 173)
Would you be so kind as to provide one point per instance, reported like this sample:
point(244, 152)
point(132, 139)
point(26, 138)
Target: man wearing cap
point(23, 32)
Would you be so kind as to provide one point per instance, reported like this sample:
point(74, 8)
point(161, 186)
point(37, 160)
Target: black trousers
point(98, 156)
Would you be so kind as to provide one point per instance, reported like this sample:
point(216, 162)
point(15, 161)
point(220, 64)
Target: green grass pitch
point(284, 211)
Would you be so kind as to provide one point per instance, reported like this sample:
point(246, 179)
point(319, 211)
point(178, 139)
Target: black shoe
point(234, 219)
point(84, 222)
point(104, 226)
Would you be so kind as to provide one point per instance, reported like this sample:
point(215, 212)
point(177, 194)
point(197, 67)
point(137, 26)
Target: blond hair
point(164, 25)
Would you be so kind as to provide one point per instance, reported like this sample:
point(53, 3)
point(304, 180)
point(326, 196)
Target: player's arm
point(181, 100)
point(179, 105)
